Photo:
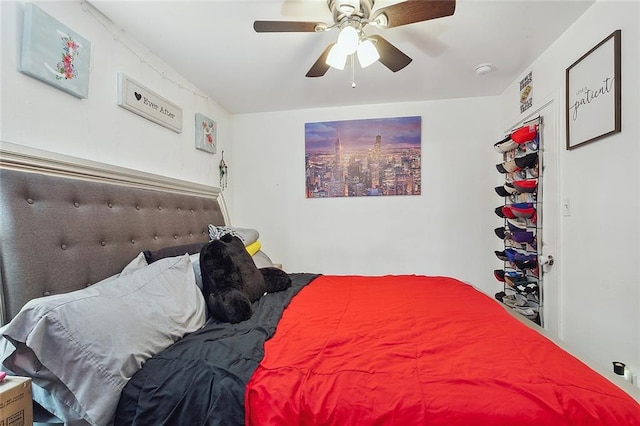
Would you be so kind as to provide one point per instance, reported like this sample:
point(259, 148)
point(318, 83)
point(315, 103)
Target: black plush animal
point(231, 281)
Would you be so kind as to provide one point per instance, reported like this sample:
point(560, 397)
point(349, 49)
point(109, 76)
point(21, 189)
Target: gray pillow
point(113, 326)
point(47, 389)
point(193, 250)
point(247, 235)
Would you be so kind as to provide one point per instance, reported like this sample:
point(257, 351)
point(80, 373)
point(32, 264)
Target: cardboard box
point(16, 406)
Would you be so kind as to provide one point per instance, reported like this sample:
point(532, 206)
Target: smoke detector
point(485, 68)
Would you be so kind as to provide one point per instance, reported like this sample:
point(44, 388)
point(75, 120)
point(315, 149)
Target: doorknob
point(546, 260)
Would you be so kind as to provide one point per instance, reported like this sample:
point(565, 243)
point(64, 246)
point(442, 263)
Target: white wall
point(448, 230)
point(599, 253)
point(37, 115)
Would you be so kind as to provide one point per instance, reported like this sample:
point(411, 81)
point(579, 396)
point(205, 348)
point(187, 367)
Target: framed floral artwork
point(206, 134)
point(53, 53)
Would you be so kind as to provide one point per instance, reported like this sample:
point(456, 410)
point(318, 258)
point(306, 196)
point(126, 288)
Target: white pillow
point(93, 340)
point(262, 260)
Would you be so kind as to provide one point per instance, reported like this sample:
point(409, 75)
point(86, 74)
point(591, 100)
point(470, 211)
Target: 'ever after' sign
point(137, 98)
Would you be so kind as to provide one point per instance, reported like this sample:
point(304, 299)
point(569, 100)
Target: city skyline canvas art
point(365, 157)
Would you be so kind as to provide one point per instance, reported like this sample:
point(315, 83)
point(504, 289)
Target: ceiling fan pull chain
point(353, 72)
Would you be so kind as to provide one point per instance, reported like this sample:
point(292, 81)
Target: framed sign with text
point(594, 93)
point(142, 101)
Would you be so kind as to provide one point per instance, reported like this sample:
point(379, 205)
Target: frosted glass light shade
point(348, 39)
point(337, 57)
point(367, 53)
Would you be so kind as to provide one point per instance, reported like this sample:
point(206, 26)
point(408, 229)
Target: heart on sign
point(137, 95)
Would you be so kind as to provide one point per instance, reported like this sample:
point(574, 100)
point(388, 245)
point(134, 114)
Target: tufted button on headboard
point(59, 234)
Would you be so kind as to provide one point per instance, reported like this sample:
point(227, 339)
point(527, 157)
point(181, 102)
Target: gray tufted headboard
point(64, 226)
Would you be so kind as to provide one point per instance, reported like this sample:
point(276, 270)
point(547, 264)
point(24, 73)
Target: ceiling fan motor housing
point(341, 9)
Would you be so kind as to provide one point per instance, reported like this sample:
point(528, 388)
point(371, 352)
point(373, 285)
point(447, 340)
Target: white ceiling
point(212, 44)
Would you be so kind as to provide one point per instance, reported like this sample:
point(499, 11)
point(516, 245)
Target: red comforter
point(414, 350)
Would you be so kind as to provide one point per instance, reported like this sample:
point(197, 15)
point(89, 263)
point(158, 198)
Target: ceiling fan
point(351, 17)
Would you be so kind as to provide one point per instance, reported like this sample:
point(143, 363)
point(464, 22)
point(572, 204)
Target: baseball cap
point(505, 145)
point(502, 233)
point(505, 212)
point(522, 205)
point(528, 185)
point(524, 134)
point(528, 160)
point(515, 279)
point(523, 237)
point(512, 255)
point(522, 212)
point(526, 264)
point(501, 191)
point(506, 190)
point(510, 166)
point(515, 225)
point(510, 188)
point(526, 286)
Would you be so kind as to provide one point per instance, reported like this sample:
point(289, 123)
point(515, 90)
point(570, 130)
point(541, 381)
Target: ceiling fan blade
point(390, 56)
point(284, 27)
point(320, 67)
point(408, 12)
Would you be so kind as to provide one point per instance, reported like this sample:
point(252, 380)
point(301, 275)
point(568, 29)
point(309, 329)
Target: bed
point(111, 336)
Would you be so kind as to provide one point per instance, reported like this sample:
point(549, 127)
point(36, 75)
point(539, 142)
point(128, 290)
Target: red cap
point(507, 212)
point(525, 185)
point(525, 133)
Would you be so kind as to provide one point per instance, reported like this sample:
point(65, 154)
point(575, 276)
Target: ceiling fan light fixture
point(337, 57)
point(367, 53)
point(348, 39)
point(381, 21)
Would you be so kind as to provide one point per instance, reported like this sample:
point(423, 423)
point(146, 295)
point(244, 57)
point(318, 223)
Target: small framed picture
point(206, 139)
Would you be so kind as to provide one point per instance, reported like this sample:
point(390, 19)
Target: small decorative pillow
point(172, 251)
